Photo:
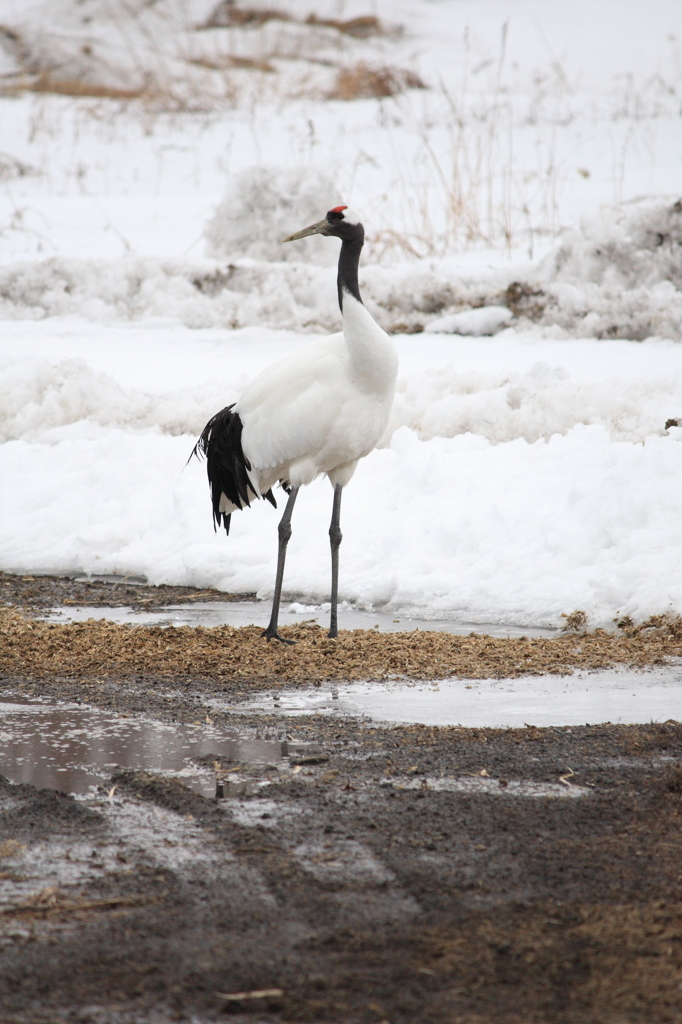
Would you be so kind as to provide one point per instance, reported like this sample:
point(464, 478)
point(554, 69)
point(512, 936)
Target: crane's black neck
point(349, 259)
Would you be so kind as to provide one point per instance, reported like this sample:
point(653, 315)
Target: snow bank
point(514, 532)
point(37, 396)
point(491, 500)
point(180, 54)
point(171, 380)
point(611, 279)
point(206, 293)
point(198, 293)
point(643, 248)
point(478, 323)
point(538, 403)
point(618, 277)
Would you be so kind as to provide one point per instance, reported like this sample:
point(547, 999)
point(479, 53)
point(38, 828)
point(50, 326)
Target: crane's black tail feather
point(226, 464)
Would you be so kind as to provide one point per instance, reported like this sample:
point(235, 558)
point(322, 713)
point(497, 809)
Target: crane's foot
point(272, 634)
point(333, 634)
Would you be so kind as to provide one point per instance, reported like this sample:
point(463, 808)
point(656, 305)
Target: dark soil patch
point(37, 593)
point(349, 890)
point(382, 903)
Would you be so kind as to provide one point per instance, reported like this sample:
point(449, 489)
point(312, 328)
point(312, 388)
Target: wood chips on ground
point(33, 649)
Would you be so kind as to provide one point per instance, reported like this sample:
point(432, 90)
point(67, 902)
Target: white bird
point(317, 411)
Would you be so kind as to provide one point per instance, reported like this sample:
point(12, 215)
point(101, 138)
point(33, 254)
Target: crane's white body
point(321, 409)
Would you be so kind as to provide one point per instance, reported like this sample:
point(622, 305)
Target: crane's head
point(339, 222)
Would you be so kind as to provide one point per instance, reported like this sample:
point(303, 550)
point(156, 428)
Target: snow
point(608, 279)
point(261, 204)
point(478, 323)
point(524, 247)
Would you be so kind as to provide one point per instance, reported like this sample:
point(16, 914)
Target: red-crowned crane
point(317, 411)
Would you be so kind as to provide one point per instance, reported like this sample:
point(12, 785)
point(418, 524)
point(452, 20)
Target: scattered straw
point(260, 993)
point(31, 649)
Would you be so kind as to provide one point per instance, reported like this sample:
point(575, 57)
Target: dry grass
point(159, 86)
point(46, 83)
point(462, 179)
point(363, 27)
point(153, 97)
point(576, 621)
point(11, 167)
point(229, 63)
point(360, 81)
point(228, 14)
point(32, 650)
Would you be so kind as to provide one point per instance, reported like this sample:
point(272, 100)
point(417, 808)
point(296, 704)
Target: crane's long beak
point(314, 229)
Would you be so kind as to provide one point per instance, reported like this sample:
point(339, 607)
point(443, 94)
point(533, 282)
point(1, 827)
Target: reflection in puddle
point(72, 748)
point(618, 696)
point(257, 613)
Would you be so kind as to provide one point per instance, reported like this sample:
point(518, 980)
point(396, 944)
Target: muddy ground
point(397, 874)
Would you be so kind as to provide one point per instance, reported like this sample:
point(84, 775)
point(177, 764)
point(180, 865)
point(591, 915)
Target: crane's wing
point(289, 410)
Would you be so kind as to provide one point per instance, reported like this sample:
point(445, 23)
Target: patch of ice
point(618, 696)
point(476, 785)
point(179, 844)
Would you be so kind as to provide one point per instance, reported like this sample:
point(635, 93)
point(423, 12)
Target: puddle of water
point(613, 696)
point(257, 613)
point(72, 748)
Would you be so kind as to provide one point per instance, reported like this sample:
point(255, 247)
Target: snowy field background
point(521, 193)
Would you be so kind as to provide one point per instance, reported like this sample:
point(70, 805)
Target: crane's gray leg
point(335, 538)
point(284, 531)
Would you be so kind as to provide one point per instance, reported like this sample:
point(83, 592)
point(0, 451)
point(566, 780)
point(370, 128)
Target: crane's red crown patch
point(338, 209)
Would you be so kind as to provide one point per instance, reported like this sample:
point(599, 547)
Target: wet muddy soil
point(36, 593)
point(411, 875)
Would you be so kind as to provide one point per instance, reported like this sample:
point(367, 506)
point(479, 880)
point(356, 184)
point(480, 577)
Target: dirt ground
point(402, 875)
